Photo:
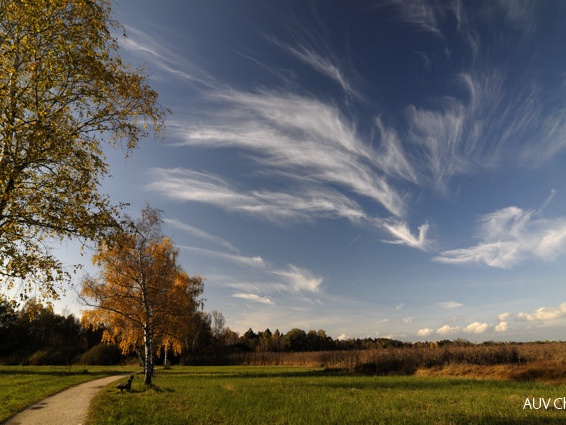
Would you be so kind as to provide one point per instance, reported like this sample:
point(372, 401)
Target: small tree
point(64, 91)
point(218, 324)
point(142, 296)
point(295, 340)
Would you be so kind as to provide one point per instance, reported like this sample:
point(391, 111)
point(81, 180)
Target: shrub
point(49, 356)
point(101, 354)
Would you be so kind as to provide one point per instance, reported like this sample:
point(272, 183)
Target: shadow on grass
point(327, 378)
point(149, 388)
point(248, 372)
point(29, 370)
point(274, 373)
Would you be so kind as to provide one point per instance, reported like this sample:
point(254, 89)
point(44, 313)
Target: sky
point(384, 169)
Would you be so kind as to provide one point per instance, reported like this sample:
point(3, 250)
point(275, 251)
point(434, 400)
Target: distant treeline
point(298, 340)
point(35, 335)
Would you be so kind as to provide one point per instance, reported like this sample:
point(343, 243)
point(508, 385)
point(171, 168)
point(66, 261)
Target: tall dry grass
point(521, 361)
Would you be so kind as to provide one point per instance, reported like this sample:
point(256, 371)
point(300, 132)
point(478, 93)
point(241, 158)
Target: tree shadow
point(150, 388)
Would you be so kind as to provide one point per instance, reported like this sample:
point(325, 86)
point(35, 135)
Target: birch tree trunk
point(148, 360)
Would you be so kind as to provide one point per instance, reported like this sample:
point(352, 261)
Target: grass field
point(282, 395)
point(22, 386)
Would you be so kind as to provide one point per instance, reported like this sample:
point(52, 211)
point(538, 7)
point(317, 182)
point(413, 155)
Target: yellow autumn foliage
point(142, 297)
point(64, 92)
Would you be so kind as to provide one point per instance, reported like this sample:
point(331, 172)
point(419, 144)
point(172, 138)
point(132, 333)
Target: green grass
point(278, 395)
point(22, 386)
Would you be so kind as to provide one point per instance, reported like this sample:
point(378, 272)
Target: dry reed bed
point(517, 361)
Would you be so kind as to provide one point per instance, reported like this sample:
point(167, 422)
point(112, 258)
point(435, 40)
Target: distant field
point(284, 395)
point(22, 386)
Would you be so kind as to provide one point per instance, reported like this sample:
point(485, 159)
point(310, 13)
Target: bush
point(101, 354)
point(49, 356)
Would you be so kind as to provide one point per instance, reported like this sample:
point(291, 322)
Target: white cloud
point(300, 280)
point(425, 332)
point(309, 203)
point(299, 136)
point(439, 135)
point(501, 327)
point(201, 234)
point(164, 58)
point(544, 314)
point(518, 13)
point(342, 337)
point(447, 329)
point(552, 241)
point(253, 297)
point(292, 279)
point(408, 320)
point(423, 15)
point(255, 262)
point(510, 236)
point(477, 328)
point(400, 230)
point(324, 64)
point(504, 316)
point(450, 304)
point(188, 185)
point(391, 156)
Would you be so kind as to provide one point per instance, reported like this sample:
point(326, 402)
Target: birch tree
point(142, 296)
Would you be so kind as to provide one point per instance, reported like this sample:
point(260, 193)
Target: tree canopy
point(143, 297)
point(64, 92)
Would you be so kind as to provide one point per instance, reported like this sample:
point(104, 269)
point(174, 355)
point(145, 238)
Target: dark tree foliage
point(36, 335)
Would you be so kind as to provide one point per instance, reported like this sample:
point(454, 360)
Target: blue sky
point(372, 168)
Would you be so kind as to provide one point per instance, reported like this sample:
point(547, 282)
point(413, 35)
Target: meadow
point(300, 395)
point(456, 383)
point(25, 385)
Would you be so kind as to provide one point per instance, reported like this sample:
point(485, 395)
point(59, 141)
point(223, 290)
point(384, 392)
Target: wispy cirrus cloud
point(164, 58)
point(254, 297)
point(303, 137)
point(403, 235)
point(255, 262)
point(509, 236)
point(431, 16)
point(424, 15)
point(520, 14)
point(201, 234)
point(270, 277)
point(459, 135)
point(325, 64)
point(306, 204)
point(449, 305)
point(274, 279)
point(188, 185)
point(300, 280)
point(315, 145)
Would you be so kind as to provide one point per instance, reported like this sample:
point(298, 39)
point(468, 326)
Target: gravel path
point(69, 407)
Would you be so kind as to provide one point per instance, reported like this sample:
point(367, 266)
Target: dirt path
point(69, 407)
